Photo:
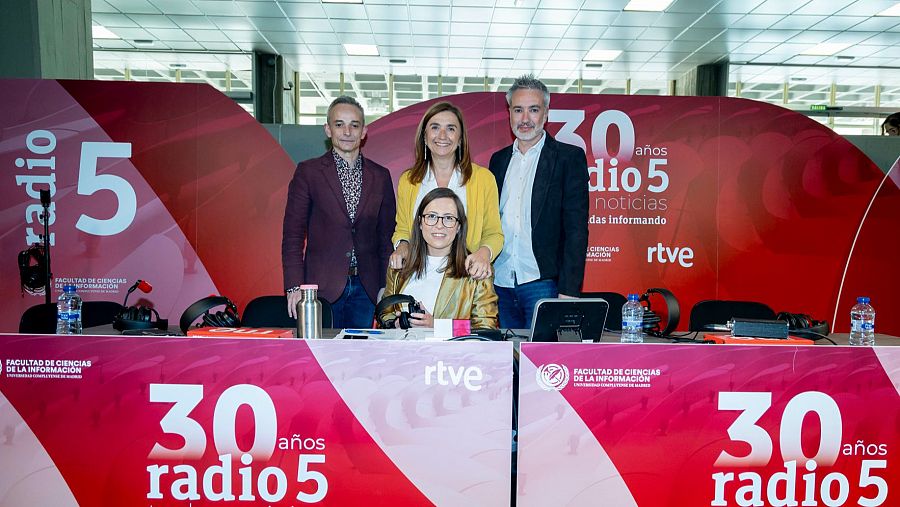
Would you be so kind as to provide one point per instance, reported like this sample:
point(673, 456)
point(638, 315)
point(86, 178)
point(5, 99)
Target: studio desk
point(113, 420)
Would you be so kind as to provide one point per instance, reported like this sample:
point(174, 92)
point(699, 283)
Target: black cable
point(818, 336)
point(509, 333)
point(683, 338)
point(469, 338)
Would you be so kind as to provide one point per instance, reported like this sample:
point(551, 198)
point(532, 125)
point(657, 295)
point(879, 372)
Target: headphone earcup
point(138, 317)
point(210, 320)
point(404, 320)
point(387, 302)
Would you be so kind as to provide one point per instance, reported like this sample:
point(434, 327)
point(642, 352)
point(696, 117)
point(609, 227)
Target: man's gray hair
point(343, 99)
point(528, 82)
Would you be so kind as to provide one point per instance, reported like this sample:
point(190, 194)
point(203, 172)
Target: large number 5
point(304, 474)
point(744, 428)
point(89, 182)
point(177, 420)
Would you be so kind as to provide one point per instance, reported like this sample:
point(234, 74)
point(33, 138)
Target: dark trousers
point(353, 309)
point(517, 303)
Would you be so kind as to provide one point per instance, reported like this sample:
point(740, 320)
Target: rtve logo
point(447, 375)
point(663, 254)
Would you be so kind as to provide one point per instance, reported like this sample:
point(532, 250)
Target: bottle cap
point(309, 286)
point(633, 297)
point(863, 299)
point(68, 288)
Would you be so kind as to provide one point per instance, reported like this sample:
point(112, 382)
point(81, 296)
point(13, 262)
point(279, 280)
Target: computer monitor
point(569, 320)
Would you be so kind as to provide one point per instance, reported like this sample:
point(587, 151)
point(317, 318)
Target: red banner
point(172, 183)
point(675, 425)
point(146, 421)
point(710, 197)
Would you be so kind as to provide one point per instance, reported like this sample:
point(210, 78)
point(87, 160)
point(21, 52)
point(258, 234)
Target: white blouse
point(425, 289)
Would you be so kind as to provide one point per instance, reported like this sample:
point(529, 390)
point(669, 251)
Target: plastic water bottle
point(632, 320)
point(862, 322)
point(309, 313)
point(68, 311)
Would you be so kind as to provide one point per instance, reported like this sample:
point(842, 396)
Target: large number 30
point(572, 119)
point(754, 405)
point(89, 182)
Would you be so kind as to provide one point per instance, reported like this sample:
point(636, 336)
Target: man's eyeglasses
point(431, 219)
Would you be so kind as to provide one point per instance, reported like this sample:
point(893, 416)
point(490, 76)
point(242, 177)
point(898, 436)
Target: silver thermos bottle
point(309, 313)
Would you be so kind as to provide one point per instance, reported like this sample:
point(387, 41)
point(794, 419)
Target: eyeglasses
point(448, 221)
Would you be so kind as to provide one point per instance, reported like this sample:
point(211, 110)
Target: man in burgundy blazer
point(342, 208)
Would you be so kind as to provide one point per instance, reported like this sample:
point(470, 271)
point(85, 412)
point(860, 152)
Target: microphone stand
point(45, 239)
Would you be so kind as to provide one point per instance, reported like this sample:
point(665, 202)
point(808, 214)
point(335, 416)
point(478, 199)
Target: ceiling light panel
point(647, 5)
point(361, 49)
point(602, 55)
point(133, 33)
point(101, 32)
point(825, 49)
point(891, 11)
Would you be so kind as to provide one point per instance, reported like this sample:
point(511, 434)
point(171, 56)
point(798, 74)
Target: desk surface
point(521, 334)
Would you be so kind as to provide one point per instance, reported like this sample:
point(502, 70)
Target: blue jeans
point(517, 303)
point(353, 309)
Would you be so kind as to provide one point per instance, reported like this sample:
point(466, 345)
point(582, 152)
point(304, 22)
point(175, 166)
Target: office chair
point(271, 311)
point(717, 311)
point(41, 318)
point(616, 302)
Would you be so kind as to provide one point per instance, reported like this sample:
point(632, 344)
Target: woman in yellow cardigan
point(435, 272)
point(443, 161)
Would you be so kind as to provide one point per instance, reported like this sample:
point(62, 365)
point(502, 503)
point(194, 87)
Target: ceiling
point(452, 46)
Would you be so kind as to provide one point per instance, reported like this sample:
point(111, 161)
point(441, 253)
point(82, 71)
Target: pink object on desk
point(462, 327)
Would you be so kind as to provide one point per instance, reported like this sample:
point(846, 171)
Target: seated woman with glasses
point(443, 160)
point(435, 272)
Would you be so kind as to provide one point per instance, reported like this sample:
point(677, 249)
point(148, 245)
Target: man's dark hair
point(343, 99)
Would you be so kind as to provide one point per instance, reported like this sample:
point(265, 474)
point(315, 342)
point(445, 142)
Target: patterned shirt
point(351, 186)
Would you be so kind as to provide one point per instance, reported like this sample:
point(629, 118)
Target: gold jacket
point(458, 298)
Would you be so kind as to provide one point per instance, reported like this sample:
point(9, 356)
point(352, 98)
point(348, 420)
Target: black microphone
point(45, 197)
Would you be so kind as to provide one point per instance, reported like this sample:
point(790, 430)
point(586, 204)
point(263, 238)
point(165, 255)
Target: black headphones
point(226, 318)
point(395, 299)
point(32, 270)
point(652, 324)
point(803, 325)
point(139, 317)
